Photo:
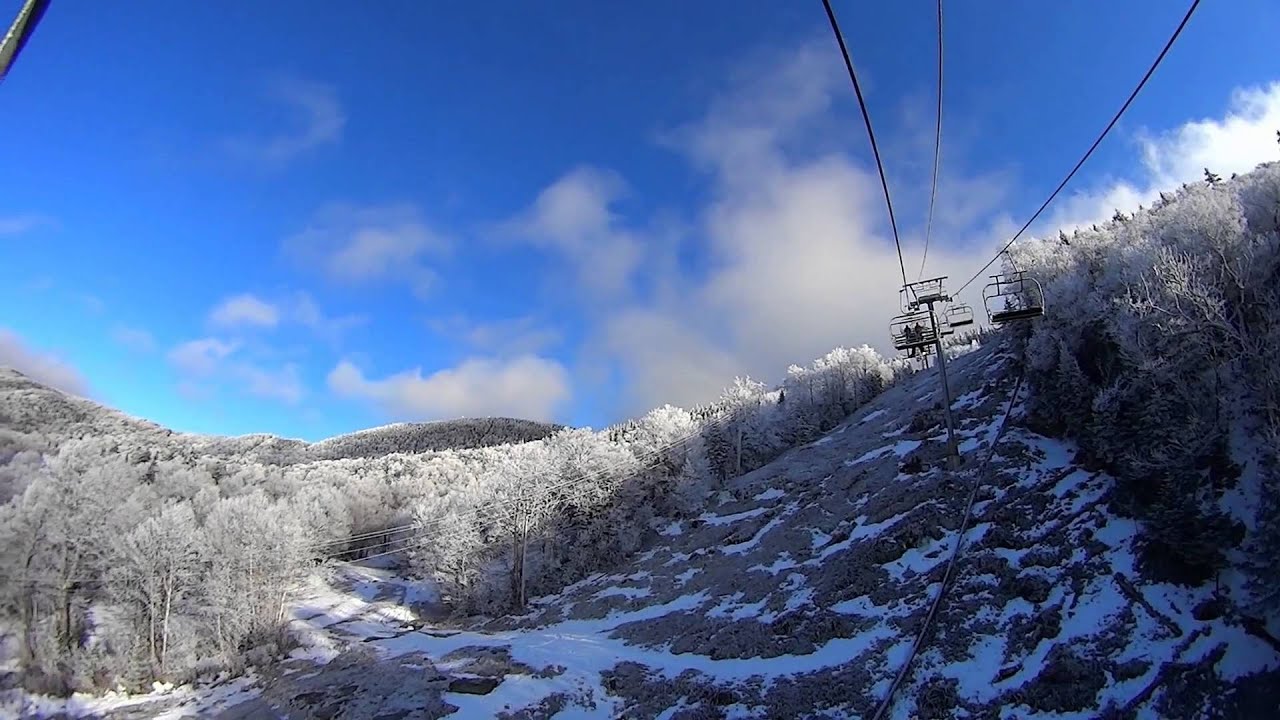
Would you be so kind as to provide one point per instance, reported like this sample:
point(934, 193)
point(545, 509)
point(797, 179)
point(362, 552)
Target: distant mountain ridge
point(40, 412)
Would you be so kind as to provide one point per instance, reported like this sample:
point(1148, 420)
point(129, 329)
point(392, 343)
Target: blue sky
point(306, 218)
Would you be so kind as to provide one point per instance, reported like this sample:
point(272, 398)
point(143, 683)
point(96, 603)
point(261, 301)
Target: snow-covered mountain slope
point(41, 418)
point(802, 593)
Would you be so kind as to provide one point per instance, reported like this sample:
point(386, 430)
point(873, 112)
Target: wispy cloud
point(320, 121)
point(201, 357)
point(527, 386)
point(361, 245)
point(572, 217)
point(205, 363)
point(284, 384)
point(244, 310)
point(135, 339)
point(304, 310)
point(42, 367)
point(510, 336)
point(22, 224)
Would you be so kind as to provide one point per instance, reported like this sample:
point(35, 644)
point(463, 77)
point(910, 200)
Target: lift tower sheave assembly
point(910, 333)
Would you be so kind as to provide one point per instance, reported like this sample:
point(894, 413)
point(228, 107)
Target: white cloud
point(357, 245)
point(135, 339)
point(244, 310)
point(202, 356)
point(320, 122)
point(42, 367)
point(527, 386)
point(1235, 143)
point(304, 310)
point(798, 254)
point(284, 384)
point(572, 216)
point(206, 363)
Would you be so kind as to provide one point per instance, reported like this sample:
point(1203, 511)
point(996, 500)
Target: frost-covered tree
point(449, 547)
point(257, 555)
point(523, 498)
point(156, 571)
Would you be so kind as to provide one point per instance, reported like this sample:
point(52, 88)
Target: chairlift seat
point(1023, 314)
point(959, 316)
point(912, 330)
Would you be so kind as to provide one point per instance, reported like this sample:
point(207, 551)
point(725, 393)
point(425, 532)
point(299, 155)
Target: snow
point(859, 532)
point(782, 562)
point(896, 432)
point(630, 593)
point(743, 547)
point(770, 494)
point(968, 399)
point(901, 448)
point(872, 416)
point(710, 519)
point(687, 575)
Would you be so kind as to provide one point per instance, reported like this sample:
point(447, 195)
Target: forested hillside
point(1161, 358)
point(130, 553)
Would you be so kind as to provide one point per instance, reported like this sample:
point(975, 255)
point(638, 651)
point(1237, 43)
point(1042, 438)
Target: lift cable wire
point(937, 152)
point(866, 118)
point(1096, 143)
point(979, 476)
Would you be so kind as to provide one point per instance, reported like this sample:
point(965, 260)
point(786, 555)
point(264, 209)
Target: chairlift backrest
point(959, 315)
point(1013, 296)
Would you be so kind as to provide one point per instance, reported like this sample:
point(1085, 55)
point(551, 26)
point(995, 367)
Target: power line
point(937, 152)
point(1096, 143)
point(866, 118)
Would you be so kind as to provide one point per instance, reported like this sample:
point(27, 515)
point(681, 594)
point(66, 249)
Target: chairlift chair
point(912, 330)
point(1013, 296)
point(959, 315)
point(924, 292)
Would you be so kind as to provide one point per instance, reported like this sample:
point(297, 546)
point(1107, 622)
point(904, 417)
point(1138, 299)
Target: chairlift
point(912, 330)
point(959, 316)
point(924, 292)
point(1013, 296)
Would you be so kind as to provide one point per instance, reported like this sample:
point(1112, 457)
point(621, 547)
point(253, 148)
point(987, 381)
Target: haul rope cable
point(951, 562)
point(1093, 147)
point(866, 118)
point(937, 152)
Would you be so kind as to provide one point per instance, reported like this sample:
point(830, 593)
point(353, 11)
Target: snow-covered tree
point(156, 569)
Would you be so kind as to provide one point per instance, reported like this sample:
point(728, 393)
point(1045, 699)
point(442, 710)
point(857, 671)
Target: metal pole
point(953, 452)
point(18, 34)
